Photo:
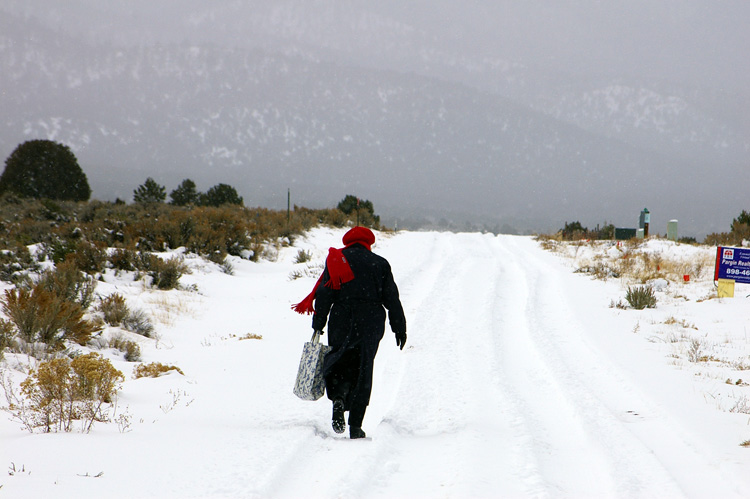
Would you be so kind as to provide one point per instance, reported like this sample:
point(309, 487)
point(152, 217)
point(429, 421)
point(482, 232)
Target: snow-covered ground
point(519, 379)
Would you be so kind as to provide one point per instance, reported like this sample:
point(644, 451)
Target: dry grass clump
point(251, 336)
point(153, 370)
point(641, 266)
point(303, 256)
point(671, 320)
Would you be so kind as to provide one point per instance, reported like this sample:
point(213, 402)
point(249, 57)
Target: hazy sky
point(706, 41)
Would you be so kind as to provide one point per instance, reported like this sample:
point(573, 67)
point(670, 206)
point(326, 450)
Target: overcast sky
point(697, 39)
point(552, 52)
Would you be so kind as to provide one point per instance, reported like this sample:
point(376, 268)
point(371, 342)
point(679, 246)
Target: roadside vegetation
point(659, 279)
point(54, 253)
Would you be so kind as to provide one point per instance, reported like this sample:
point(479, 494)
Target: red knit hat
point(361, 235)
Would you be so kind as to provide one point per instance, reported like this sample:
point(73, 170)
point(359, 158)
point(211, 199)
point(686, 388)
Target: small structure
point(623, 234)
point(644, 222)
point(672, 230)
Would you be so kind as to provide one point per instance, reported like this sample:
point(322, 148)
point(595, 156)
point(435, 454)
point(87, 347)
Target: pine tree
point(364, 210)
point(45, 169)
point(184, 194)
point(150, 192)
point(220, 194)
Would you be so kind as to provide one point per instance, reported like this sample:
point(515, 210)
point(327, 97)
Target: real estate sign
point(732, 264)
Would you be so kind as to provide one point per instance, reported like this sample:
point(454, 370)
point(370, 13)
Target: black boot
point(356, 432)
point(337, 420)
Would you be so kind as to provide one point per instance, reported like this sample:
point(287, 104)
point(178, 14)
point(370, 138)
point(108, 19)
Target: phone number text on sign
point(733, 263)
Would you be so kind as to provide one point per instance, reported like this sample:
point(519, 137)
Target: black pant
point(347, 382)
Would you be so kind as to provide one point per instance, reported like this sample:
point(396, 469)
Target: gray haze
point(513, 116)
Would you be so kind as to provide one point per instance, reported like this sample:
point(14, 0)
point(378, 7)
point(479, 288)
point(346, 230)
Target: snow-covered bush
point(16, 261)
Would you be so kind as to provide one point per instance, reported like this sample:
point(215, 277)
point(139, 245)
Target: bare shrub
point(741, 406)
point(313, 271)
point(129, 348)
point(7, 331)
point(68, 282)
point(138, 322)
point(619, 304)
point(123, 259)
point(303, 256)
point(89, 257)
point(114, 309)
point(695, 352)
point(165, 274)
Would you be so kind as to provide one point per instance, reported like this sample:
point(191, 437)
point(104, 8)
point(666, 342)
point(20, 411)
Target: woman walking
point(357, 289)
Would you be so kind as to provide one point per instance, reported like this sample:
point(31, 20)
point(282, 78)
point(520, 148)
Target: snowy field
point(519, 379)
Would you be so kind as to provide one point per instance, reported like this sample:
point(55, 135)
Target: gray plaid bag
point(310, 384)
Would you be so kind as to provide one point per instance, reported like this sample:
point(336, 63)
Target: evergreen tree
point(220, 194)
point(351, 204)
point(743, 219)
point(184, 194)
point(150, 192)
point(45, 169)
point(574, 230)
point(364, 210)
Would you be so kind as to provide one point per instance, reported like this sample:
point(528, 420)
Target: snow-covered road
point(517, 381)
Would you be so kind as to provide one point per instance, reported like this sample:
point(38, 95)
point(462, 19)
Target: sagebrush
point(641, 297)
point(60, 391)
point(153, 370)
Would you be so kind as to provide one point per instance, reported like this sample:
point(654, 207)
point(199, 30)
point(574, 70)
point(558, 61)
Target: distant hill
point(265, 118)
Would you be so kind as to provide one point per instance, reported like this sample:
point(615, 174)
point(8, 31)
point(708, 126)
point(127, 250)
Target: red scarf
point(339, 272)
point(338, 268)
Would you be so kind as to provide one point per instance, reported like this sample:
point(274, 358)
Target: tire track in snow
point(328, 465)
point(498, 394)
point(560, 412)
point(455, 429)
point(588, 400)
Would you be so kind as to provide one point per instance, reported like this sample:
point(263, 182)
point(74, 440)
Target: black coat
point(356, 313)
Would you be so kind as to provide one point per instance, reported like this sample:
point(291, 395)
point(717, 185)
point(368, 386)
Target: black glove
point(401, 340)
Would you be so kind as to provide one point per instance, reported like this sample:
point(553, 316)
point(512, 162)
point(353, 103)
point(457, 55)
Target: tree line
point(44, 169)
